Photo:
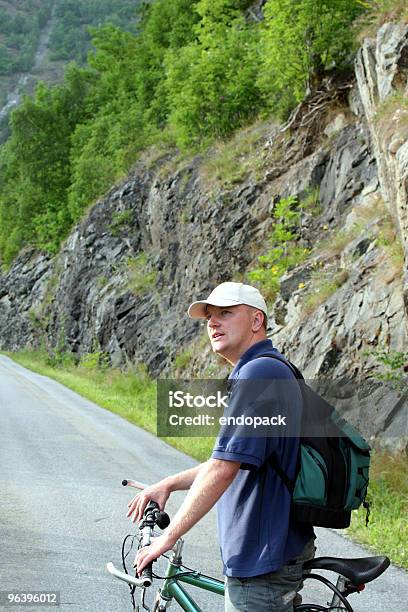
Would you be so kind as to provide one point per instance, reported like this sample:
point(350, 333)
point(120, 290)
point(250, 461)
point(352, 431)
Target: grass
point(141, 278)
point(231, 161)
point(325, 282)
point(310, 202)
point(389, 240)
point(391, 117)
point(335, 243)
point(132, 395)
point(121, 220)
point(388, 495)
point(380, 12)
point(321, 290)
point(183, 359)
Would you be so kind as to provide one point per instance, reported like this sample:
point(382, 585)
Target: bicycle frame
point(176, 573)
point(172, 589)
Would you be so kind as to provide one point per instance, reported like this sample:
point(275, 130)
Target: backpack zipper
point(322, 469)
point(348, 463)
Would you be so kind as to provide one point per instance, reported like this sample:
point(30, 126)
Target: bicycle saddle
point(359, 571)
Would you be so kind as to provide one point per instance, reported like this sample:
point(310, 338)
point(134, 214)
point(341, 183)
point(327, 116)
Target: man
point(262, 548)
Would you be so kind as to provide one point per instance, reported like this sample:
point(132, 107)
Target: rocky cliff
point(173, 229)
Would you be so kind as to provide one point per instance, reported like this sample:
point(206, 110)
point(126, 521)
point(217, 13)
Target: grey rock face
point(382, 72)
point(351, 167)
point(391, 58)
point(22, 294)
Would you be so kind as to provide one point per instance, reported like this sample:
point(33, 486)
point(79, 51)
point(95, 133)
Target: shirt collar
point(256, 349)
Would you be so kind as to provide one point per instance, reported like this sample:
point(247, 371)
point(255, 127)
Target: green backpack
point(333, 463)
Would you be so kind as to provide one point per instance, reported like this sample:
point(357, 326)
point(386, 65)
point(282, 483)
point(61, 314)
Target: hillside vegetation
point(196, 71)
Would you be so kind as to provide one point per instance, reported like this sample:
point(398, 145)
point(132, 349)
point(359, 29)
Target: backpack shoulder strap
point(290, 484)
point(272, 460)
point(298, 374)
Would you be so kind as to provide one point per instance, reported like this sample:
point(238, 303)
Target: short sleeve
point(263, 407)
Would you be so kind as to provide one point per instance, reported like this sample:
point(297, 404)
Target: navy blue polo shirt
point(256, 531)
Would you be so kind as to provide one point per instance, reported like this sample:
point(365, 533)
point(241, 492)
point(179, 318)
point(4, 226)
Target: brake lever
point(137, 582)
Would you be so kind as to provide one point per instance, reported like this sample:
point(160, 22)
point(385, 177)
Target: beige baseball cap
point(229, 294)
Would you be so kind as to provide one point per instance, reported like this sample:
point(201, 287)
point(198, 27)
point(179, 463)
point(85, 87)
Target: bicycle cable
point(132, 587)
point(190, 571)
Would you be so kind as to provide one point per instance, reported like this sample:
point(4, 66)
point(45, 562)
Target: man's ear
point(258, 321)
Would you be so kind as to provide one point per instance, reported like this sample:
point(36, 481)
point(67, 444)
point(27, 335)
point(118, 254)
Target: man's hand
point(149, 553)
point(211, 479)
point(158, 492)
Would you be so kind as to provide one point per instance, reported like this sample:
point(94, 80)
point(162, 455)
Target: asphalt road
point(62, 510)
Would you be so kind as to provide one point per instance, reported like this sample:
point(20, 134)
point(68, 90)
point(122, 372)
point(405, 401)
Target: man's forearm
point(212, 479)
point(183, 480)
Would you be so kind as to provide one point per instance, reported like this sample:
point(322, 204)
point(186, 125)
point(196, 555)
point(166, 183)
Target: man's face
point(230, 330)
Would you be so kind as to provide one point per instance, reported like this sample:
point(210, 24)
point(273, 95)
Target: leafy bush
point(301, 41)
point(120, 220)
point(285, 252)
point(396, 367)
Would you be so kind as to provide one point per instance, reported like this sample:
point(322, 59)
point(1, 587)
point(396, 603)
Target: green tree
point(112, 130)
point(128, 105)
point(70, 37)
point(166, 27)
point(301, 40)
point(211, 83)
point(34, 165)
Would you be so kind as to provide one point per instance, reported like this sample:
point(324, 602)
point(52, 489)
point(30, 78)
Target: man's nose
point(212, 321)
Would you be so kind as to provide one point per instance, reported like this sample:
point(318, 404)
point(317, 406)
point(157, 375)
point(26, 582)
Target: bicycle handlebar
point(134, 483)
point(152, 516)
point(138, 582)
point(147, 575)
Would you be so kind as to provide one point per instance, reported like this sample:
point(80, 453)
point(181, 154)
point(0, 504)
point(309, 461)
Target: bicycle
point(352, 574)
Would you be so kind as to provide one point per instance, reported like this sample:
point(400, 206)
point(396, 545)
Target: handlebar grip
point(162, 520)
point(126, 482)
point(146, 575)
